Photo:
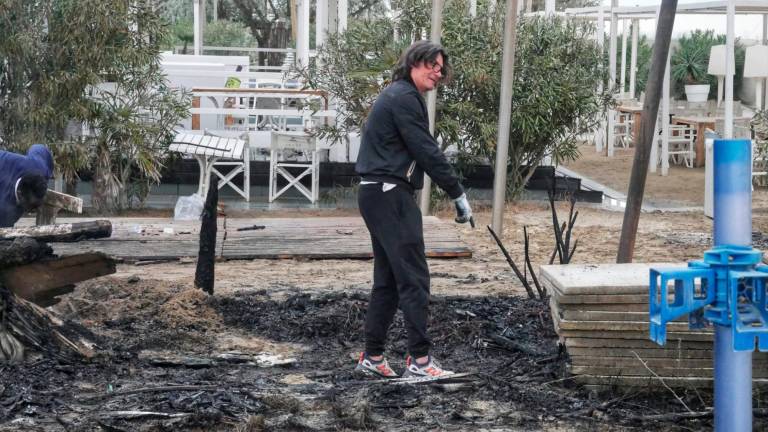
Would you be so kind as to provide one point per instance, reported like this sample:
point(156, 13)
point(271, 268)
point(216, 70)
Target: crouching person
point(23, 182)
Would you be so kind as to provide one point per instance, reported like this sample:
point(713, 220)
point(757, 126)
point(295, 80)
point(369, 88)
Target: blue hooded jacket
point(13, 166)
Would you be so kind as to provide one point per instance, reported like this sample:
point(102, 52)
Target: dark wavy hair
point(421, 51)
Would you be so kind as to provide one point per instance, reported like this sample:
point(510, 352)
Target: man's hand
point(463, 210)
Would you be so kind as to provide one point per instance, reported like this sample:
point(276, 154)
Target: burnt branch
point(512, 264)
point(542, 292)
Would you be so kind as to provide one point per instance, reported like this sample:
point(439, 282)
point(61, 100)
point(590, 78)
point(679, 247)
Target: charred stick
point(528, 264)
point(512, 264)
point(204, 273)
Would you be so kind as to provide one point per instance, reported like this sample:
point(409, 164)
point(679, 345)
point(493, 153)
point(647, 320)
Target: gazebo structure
point(615, 13)
point(331, 16)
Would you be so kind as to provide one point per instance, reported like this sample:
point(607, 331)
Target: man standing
point(23, 182)
point(395, 151)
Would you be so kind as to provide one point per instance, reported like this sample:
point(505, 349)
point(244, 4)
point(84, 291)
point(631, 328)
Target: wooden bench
point(210, 151)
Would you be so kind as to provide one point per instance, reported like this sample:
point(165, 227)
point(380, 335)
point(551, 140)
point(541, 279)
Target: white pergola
point(331, 16)
point(727, 8)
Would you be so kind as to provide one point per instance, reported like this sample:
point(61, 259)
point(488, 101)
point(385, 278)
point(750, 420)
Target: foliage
point(556, 75)
point(134, 122)
point(690, 61)
point(53, 56)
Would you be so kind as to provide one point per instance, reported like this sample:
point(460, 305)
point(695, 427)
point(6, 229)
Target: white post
point(720, 81)
point(633, 60)
point(321, 23)
point(549, 6)
point(665, 121)
point(613, 45)
point(436, 29)
point(600, 135)
point(215, 10)
point(198, 25)
point(759, 93)
point(729, 61)
point(342, 17)
point(765, 29)
point(625, 25)
point(302, 33)
point(654, 162)
point(473, 8)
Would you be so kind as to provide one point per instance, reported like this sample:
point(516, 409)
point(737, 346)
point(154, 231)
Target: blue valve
point(727, 288)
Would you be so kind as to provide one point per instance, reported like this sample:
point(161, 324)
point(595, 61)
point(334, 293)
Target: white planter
point(697, 93)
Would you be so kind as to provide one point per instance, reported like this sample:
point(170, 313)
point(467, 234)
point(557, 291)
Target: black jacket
point(396, 145)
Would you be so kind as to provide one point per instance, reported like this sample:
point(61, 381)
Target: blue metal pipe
point(732, 226)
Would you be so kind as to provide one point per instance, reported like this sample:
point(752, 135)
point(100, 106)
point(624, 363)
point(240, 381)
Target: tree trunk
point(102, 199)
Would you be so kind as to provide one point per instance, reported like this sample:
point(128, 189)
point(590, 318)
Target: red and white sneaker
point(431, 368)
point(375, 368)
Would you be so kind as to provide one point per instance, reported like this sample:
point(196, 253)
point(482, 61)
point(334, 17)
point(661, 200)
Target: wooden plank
point(644, 353)
point(664, 372)
point(644, 343)
point(616, 307)
point(68, 232)
point(672, 337)
point(653, 363)
point(603, 299)
point(44, 279)
point(580, 315)
point(603, 382)
point(313, 238)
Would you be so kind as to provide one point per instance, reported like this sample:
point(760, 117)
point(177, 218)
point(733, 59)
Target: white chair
point(682, 145)
point(212, 151)
point(623, 125)
point(282, 143)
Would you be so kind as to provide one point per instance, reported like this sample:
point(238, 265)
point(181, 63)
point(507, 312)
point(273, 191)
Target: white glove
point(463, 210)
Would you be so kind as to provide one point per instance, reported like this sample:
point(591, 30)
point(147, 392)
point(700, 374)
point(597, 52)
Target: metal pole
point(732, 227)
point(437, 26)
point(650, 110)
point(505, 116)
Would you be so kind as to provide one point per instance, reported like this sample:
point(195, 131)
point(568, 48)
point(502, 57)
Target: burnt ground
point(160, 368)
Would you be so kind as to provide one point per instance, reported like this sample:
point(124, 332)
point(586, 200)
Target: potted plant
point(690, 61)
point(689, 65)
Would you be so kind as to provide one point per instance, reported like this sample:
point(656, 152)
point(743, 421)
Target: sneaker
point(432, 368)
point(375, 368)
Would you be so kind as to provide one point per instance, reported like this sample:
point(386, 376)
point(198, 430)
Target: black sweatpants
point(400, 272)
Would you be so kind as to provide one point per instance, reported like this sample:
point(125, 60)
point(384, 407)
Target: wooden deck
point(135, 239)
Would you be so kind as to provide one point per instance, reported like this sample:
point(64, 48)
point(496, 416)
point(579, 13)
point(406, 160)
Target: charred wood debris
point(132, 368)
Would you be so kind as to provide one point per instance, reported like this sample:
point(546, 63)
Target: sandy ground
point(682, 185)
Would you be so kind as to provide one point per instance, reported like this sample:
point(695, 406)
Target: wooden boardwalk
point(142, 239)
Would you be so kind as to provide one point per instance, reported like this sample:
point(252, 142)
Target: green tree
point(557, 71)
point(54, 54)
